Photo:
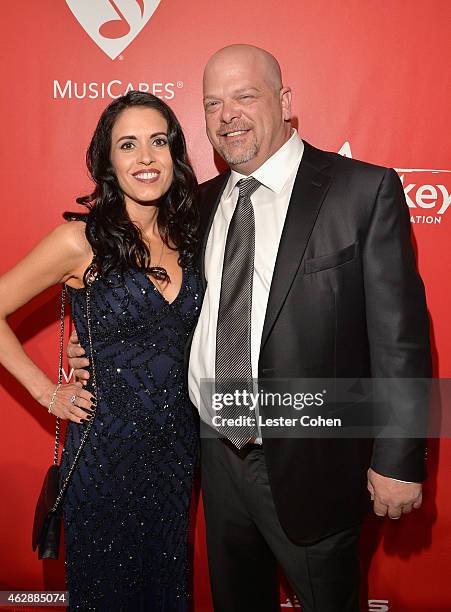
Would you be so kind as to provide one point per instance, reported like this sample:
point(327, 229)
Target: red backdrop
point(369, 79)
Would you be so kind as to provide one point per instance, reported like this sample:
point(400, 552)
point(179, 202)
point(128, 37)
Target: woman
point(126, 507)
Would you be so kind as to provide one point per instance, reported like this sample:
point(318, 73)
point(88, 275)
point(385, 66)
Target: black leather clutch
point(47, 518)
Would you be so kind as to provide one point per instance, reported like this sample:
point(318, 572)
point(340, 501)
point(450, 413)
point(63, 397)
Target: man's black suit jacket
point(346, 301)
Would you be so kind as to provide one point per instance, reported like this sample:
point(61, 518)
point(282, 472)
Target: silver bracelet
point(52, 401)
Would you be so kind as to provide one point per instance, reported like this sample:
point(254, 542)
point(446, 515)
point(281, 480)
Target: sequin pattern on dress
point(126, 508)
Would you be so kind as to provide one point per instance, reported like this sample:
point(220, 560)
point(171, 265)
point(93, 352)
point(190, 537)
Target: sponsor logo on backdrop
point(67, 377)
point(113, 24)
point(374, 605)
point(378, 605)
point(83, 90)
point(427, 191)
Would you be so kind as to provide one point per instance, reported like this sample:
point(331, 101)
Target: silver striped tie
point(233, 334)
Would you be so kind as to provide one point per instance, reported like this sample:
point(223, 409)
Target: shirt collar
point(276, 170)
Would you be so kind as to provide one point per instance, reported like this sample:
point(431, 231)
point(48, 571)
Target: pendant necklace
point(158, 272)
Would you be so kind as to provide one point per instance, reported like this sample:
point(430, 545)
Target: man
point(309, 273)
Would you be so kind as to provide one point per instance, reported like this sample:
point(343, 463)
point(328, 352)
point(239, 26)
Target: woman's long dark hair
point(116, 241)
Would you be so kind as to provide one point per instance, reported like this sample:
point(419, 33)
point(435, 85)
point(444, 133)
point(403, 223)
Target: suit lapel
point(309, 191)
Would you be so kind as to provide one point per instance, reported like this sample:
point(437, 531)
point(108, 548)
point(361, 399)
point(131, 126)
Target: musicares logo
point(113, 24)
point(427, 191)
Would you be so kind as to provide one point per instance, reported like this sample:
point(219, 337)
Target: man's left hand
point(392, 497)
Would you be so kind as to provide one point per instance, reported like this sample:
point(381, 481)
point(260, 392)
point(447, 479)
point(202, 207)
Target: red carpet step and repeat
point(370, 80)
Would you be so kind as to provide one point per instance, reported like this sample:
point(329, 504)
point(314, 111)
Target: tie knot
point(248, 186)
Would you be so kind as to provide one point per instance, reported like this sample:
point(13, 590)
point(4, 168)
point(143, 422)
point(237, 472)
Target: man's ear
point(285, 103)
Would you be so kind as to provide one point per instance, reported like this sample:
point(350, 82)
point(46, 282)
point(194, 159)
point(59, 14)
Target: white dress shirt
point(270, 202)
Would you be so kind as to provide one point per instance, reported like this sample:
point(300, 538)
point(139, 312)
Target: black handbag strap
point(90, 278)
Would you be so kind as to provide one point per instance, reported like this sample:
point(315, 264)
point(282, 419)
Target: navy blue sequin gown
point(126, 507)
